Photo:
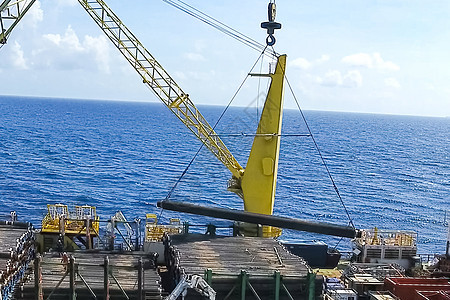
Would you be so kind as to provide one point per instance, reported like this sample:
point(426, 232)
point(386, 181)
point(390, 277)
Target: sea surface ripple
point(393, 172)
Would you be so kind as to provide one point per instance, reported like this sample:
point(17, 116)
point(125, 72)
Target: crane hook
point(271, 25)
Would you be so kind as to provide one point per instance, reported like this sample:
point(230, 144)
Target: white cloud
point(323, 58)
point(371, 61)
point(54, 38)
point(352, 79)
point(359, 60)
point(392, 82)
point(384, 65)
point(99, 47)
point(304, 64)
point(301, 63)
point(68, 52)
point(17, 57)
point(194, 57)
point(69, 42)
point(331, 78)
point(35, 14)
point(334, 78)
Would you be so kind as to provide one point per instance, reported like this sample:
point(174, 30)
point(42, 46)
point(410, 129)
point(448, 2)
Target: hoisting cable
point(215, 125)
point(257, 93)
point(246, 40)
point(320, 154)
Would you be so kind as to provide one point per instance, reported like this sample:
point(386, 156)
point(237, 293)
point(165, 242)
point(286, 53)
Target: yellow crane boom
point(257, 184)
point(159, 81)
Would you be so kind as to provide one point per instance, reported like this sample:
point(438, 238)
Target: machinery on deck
point(60, 220)
point(154, 231)
point(195, 282)
point(62, 228)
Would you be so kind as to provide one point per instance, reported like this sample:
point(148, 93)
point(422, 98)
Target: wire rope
point(215, 125)
point(258, 91)
point(194, 12)
point(320, 155)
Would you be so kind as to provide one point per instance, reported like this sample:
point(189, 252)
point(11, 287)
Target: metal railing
point(91, 280)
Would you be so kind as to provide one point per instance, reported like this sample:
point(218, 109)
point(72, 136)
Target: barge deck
point(242, 267)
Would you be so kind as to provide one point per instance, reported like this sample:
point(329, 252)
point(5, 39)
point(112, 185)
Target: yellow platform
point(60, 220)
point(154, 232)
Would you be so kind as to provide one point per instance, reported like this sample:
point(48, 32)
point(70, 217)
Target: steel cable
point(215, 125)
point(246, 40)
point(320, 154)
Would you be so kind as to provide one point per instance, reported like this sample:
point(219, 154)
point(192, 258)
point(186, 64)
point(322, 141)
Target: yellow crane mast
point(260, 176)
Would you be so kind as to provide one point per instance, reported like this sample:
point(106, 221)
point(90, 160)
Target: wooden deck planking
point(230, 255)
point(238, 262)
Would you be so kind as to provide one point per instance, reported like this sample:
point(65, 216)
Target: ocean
point(393, 172)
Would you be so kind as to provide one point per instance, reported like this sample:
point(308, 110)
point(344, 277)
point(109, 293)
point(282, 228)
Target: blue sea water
point(392, 172)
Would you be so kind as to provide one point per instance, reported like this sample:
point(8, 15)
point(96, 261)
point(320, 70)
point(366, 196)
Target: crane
point(255, 184)
point(10, 15)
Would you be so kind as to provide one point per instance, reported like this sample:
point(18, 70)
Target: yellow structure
point(260, 175)
point(60, 220)
point(154, 232)
point(259, 180)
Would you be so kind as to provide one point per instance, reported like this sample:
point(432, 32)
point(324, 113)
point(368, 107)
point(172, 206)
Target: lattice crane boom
point(11, 12)
point(160, 82)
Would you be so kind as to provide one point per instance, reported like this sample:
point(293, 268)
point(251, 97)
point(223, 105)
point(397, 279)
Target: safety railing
point(93, 277)
point(387, 237)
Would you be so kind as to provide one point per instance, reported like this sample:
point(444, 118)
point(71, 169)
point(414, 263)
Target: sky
point(371, 56)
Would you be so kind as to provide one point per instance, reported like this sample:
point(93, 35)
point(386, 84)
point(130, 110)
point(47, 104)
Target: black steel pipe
point(16, 224)
point(254, 218)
